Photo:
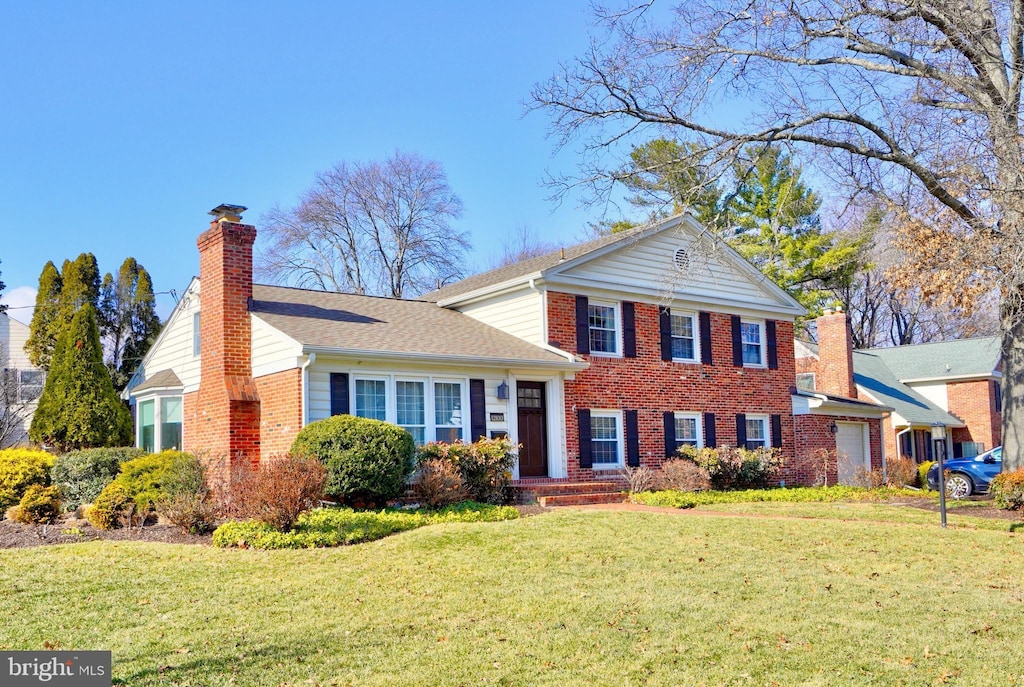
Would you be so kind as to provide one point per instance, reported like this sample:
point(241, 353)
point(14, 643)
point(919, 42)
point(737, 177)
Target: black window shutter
point(773, 346)
point(737, 342)
point(582, 324)
point(670, 434)
point(710, 437)
point(705, 338)
point(632, 439)
point(339, 393)
point(741, 430)
point(477, 410)
point(776, 431)
point(583, 420)
point(665, 325)
point(628, 329)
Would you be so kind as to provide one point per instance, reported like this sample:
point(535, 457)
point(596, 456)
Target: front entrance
point(533, 425)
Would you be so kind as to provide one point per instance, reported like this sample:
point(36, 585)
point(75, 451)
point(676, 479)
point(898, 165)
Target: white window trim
point(617, 307)
point(158, 413)
point(761, 337)
point(620, 439)
point(765, 427)
point(391, 397)
point(19, 392)
point(695, 321)
point(699, 423)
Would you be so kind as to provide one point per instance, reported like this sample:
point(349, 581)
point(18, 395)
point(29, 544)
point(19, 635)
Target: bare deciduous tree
point(381, 228)
point(885, 91)
point(523, 244)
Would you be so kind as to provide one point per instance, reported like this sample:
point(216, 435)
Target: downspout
point(310, 359)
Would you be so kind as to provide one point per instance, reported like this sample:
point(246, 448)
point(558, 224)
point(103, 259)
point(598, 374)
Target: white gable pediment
point(678, 263)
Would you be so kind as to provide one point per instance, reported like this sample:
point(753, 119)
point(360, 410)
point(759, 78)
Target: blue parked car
point(968, 476)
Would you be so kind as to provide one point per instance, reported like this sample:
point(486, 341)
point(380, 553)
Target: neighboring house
point(611, 353)
point(952, 387)
point(20, 386)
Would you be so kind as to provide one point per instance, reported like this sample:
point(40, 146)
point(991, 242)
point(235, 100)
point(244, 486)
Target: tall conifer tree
point(42, 339)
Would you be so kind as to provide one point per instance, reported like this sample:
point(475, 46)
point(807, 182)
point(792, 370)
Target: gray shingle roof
point(164, 379)
point(944, 359)
point(872, 373)
point(531, 266)
point(346, 322)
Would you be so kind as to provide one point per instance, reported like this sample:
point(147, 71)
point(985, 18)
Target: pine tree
point(79, 407)
point(42, 340)
point(128, 319)
point(80, 285)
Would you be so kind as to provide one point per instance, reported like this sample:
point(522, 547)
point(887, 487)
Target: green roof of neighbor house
point(873, 374)
point(947, 359)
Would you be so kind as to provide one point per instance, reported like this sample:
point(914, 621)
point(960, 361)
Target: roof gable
point(872, 374)
point(641, 261)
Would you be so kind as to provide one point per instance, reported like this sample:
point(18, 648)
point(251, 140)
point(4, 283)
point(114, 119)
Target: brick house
point(610, 353)
point(954, 385)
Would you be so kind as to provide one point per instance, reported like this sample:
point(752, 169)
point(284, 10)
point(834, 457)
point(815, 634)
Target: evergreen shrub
point(20, 469)
point(82, 474)
point(485, 466)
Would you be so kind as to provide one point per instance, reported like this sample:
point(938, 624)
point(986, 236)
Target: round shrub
point(135, 491)
point(367, 460)
point(1007, 489)
point(39, 506)
point(81, 475)
point(19, 469)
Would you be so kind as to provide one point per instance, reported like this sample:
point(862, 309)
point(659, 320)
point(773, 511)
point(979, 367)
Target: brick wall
point(652, 386)
point(975, 403)
point(281, 417)
point(813, 435)
point(835, 356)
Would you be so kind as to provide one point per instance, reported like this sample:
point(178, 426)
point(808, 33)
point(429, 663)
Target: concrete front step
point(588, 499)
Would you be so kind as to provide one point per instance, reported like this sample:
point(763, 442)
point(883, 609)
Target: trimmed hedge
point(680, 499)
point(1007, 489)
point(81, 475)
point(20, 469)
point(325, 527)
point(367, 461)
point(484, 467)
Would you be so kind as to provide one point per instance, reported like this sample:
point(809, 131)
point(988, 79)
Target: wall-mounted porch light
point(503, 390)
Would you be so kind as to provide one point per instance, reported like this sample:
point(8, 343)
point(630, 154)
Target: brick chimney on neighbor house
point(227, 414)
point(835, 355)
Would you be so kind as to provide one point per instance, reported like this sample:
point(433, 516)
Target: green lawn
point(566, 598)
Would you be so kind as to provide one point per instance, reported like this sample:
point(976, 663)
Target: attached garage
point(853, 450)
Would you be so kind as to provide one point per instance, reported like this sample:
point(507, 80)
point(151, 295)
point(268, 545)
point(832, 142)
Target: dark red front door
point(533, 456)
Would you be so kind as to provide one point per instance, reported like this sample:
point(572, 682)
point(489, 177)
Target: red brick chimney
point(228, 407)
point(835, 355)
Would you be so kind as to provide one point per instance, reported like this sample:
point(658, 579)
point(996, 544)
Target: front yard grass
point(566, 598)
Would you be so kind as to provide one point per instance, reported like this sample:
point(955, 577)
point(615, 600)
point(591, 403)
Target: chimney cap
point(231, 213)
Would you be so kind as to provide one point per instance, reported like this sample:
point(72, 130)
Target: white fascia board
point(452, 360)
point(488, 291)
point(953, 378)
point(657, 296)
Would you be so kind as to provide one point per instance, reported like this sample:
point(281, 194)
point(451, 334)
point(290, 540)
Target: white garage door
point(852, 452)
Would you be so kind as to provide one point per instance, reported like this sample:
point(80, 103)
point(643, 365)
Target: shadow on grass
point(200, 668)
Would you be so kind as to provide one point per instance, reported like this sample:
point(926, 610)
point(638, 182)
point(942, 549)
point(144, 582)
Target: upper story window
point(805, 381)
point(684, 337)
point(752, 341)
point(604, 331)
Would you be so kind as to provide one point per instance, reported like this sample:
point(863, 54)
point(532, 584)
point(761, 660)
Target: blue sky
point(124, 123)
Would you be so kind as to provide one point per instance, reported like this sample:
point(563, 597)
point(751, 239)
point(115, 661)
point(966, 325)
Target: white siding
point(272, 351)
point(520, 313)
point(173, 349)
point(936, 393)
point(648, 266)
